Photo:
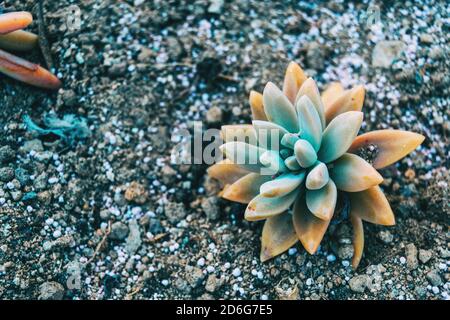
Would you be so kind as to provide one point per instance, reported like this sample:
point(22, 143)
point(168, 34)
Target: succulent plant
point(312, 168)
point(13, 38)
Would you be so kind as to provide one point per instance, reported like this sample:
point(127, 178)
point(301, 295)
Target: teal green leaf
point(322, 202)
point(309, 122)
point(282, 185)
point(279, 109)
point(309, 89)
point(339, 135)
point(292, 163)
point(352, 173)
point(289, 140)
point(263, 207)
point(305, 153)
point(272, 162)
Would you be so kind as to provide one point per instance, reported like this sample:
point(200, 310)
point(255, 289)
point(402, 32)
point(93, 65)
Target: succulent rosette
point(301, 164)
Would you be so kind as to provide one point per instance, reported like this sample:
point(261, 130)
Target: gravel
point(140, 72)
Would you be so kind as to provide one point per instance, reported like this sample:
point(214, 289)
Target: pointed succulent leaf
point(310, 229)
point(292, 163)
point(358, 240)
point(309, 122)
point(318, 177)
point(244, 155)
point(289, 140)
point(25, 71)
point(278, 235)
point(13, 21)
point(239, 132)
point(349, 100)
point(273, 163)
point(391, 145)
point(246, 188)
point(339, 135)
point(372, 206)
point(282, 185)
point(226, 172)
point(352, 173)
point(309, 89)
point(331, 93)
point(278, 108)
point(269, 134)
point(257, 107)
point(305, 153)
point(322, 202)
point(263, 207)
point(18, 41)
point(293, 80)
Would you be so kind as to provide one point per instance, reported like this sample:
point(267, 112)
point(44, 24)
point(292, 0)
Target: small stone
point(51, 291)
point(212, 283)
point(425, 255)
point(117, 69)
point(174, 211)
point(385, 52)
point(136, 193)
point(215, 6)
point(6, 174)
point(426, 38)
point(32, 145)
point(359, 283)
point(345, 252)
point(411, 256)
point(133, 241)
point(211, 208)
point(194, 276)
point(105, 214)
point(434, 278)
point(119, 231)
point(315, 56)
point(7, 154)
point(214, 115)
point(385, 236)
point(168, 174)
point(155, 227)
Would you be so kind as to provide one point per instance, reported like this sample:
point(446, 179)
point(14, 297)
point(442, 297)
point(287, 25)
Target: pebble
point(7, 154)
point(51, 291)
point(211, 208)
point(385, 52)
point(214, 115)
point(119, 231)
point(133, 241)
point(136, 193)
point(411, 256)
point(6, 174)
point(434, 278)
point(385, 236)
point(359, 283)
point(425, 255)
point(236, 272)
point(174, 212)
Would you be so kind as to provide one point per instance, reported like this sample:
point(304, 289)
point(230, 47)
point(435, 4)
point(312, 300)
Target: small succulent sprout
point(12, 37)
point(305, 157)
point(305, 153)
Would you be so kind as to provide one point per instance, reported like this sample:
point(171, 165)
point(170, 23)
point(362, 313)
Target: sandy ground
point(109, 217)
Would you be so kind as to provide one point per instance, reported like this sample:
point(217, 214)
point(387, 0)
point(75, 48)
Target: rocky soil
point(110, 217)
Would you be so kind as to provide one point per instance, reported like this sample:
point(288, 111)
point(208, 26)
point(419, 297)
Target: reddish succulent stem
point(27, 72)
point(13, 21)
